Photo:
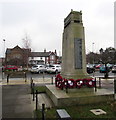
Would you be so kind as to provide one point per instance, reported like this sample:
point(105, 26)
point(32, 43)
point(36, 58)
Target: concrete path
point(16, 101)
point(16, 81)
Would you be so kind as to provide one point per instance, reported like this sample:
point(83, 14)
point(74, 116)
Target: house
point(43, 57)
point(17, 56)
point(24, 57)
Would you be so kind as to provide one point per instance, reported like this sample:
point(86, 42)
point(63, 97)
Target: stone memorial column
point(73, 47)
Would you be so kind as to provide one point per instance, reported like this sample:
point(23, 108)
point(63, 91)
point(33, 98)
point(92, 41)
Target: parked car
point(38, 69)
point(10, 67)
point(103, 69)
point(114, 69)
point(98, 66)
point(90, 68)
point(55, 68)
point(110, 65)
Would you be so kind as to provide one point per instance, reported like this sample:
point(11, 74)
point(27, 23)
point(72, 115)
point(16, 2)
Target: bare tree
point(27, 49)
point(26, 41)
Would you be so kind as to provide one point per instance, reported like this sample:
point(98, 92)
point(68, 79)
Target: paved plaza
point(16, 101)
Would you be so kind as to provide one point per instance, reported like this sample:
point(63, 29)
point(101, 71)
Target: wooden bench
point(62, 114)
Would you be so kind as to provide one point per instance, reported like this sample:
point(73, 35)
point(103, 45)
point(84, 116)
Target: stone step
point(44, 99)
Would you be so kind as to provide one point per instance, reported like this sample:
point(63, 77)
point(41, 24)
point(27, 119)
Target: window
point(52, 57)
point(17, 56)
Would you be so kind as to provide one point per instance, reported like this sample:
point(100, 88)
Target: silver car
point(38, 69)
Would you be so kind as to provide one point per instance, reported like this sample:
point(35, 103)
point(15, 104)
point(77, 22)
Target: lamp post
point(4, 48)
point(3, 59)
point(93, 56)
point(114, 76)
point(93, 51)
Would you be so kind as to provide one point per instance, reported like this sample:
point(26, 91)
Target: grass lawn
point(80, 111)
point(40, 89)
point(77, 112)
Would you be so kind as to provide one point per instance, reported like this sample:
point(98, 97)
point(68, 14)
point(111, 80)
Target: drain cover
point(98, 111)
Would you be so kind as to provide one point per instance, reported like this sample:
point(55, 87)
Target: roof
point(17, 47)
point(8, 50)
point(41, 54)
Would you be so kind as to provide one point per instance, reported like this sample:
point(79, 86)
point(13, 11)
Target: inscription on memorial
point(78, 53)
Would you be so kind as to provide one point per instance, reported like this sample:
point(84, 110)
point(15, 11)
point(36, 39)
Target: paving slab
point(16, 101)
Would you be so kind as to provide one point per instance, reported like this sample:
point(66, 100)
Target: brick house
point(22, 57)
point(17, 56)
point(43, 57)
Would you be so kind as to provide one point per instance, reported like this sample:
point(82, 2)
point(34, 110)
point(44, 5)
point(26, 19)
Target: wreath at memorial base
point(79, 83)
point(71, 83)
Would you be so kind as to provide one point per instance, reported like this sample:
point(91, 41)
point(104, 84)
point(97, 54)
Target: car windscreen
point(57, 66)
point(51, 66)
point(41, 66)
point(35, 66)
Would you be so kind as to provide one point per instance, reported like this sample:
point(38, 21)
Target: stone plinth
point(81, 97)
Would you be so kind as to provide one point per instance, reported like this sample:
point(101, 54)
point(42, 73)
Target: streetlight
point(93, 51)
point(4, 48)
point(93, 55)
point(3, 59)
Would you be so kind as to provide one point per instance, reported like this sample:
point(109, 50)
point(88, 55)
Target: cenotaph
point(74, 86)
point(73, 47)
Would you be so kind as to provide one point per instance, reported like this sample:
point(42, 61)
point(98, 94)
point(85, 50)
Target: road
point(96, 74)
point(45, 75)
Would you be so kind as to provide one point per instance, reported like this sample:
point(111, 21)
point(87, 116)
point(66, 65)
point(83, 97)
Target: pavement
point(16, 101)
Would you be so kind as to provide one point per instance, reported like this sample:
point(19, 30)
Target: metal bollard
point(31, 85)
point(36, 100)
point(115, 88)
point(33, 91)
point(67, 86)
point(95, 85)
point(43, 111)
point(99, 82)
point(52, 80)
point(25, 76)
point(31, 82)
point(8, 78)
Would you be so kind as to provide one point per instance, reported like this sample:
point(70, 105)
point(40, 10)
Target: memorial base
point(78, 96)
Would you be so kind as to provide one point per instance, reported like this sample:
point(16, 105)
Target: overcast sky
point(43, 22)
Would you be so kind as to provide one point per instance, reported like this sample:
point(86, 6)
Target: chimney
point(44, 50)
point(55, 51)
